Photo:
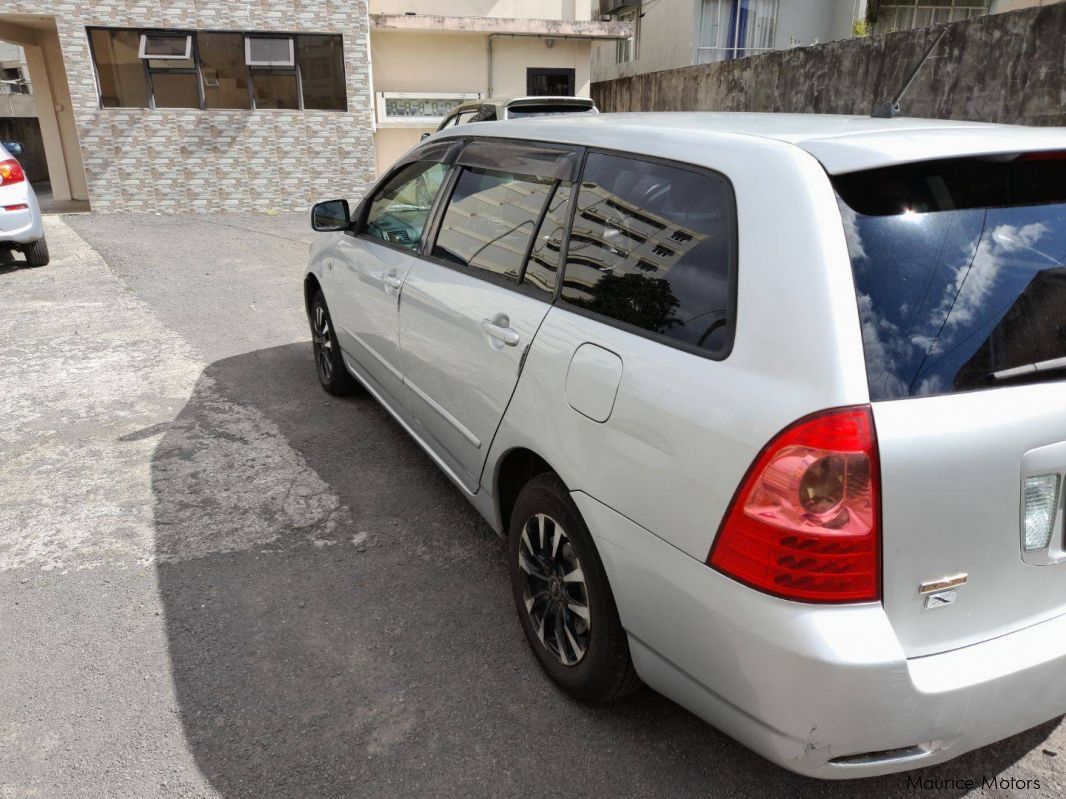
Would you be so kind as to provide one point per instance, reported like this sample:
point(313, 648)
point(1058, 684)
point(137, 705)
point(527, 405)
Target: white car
point(20, 215)
point(770, 408)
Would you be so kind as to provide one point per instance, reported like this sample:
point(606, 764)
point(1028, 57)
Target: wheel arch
point(515, 468)
point(311, 285)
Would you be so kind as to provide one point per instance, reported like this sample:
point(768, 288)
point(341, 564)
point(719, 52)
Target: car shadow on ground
point(368, 647)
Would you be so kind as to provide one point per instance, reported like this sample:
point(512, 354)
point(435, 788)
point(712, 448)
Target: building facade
point(203, 105)
point(678, 33)
point(428, 56)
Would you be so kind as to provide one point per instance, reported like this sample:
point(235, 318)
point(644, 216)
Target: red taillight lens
point(11, 172)
point(805, 522)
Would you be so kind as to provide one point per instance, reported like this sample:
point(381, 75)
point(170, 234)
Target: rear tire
point(36, 253)
point(562, 596)
point(329, 363)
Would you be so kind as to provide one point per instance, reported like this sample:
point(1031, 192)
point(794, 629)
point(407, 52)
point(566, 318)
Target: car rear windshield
point(960, 272)
point(520, 111)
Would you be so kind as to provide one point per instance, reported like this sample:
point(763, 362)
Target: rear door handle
point(392, 281)
point(501, 332)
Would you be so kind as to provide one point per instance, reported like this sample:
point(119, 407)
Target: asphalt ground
point(216, 580)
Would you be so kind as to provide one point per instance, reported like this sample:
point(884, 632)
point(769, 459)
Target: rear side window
point(490, 220)
point(653, 248)
point(960, 272)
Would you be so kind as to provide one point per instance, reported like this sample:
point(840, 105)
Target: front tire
point(564, 602)
point(332, 373)
point(36, 253)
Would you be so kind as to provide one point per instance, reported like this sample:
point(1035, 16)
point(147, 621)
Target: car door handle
point(392, 281)
point(502, 333)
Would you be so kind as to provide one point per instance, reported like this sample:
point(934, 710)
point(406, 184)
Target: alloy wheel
point(555, 593)
point(323, 339)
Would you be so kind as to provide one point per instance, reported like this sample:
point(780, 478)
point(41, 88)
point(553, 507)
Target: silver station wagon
point(770, 408)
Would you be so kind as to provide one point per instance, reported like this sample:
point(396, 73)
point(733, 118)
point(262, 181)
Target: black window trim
point(429, 236)
point(448, 187)
point(197, 69)
point(734, 270)
point(150, 71)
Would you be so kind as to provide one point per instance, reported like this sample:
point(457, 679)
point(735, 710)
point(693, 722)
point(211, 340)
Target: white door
point(372, 265)
point(471, 308)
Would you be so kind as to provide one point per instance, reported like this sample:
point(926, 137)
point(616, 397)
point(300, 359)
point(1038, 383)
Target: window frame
point(357, 228)
point(193, 50)
point(146, 34)
point(734, 269)
point(518, 284)
point(197, 68)
point(444, 198)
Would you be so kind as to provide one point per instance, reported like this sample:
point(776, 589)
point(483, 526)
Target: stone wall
point(190, 160)
point(998, 68)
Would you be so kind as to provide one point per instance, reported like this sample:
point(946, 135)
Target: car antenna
point(890, 108)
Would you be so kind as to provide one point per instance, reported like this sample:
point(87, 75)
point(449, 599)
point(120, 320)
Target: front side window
point(490, 220)
point(400, 209)
point(960, 272)
point(653, 247)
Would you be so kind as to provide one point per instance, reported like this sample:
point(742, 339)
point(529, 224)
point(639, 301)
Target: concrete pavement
point(218, 581)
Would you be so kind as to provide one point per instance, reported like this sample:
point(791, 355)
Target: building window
point(735, 29)
point(900, 15)
point(214, 70)
point(418, 109)
point(171, 64)
point(122, 78)
point(269, 51)
point(322, 71)
point(222, 66)
point(627, 49)
point(165, 46)
point(549, 82)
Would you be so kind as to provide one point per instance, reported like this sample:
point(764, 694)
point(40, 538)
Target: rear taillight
point(805, 522)
point(11, 172)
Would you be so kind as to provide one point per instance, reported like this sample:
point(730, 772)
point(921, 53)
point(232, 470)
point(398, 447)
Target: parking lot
point(219, 581)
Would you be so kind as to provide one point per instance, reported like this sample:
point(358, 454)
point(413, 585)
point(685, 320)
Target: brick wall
point(997, 68)
point(191, 160)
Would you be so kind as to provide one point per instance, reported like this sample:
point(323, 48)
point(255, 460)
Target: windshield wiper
point(1030, 371)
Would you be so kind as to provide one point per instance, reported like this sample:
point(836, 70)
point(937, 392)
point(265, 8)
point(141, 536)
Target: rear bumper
point(820, 690)
point(22, 226)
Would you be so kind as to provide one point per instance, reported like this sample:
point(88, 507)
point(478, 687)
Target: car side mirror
point(14, 147)
point(424, 136)
point(330, 215)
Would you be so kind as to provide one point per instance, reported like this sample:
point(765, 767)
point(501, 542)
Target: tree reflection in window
point(652, 246)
